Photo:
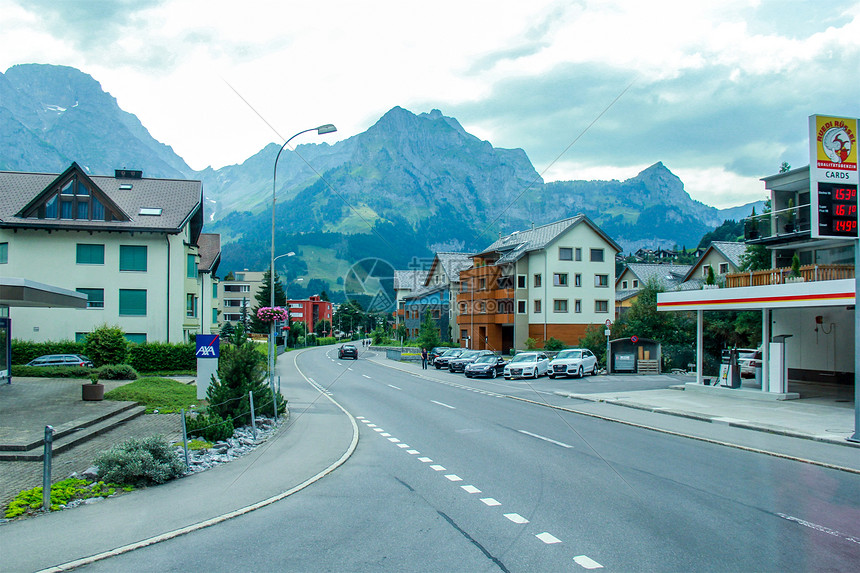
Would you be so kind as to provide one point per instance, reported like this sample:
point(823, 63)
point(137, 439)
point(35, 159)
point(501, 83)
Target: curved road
point(449, 475)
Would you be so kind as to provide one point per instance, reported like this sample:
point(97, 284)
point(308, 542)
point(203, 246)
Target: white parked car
point(527, 365)
point(573, 362)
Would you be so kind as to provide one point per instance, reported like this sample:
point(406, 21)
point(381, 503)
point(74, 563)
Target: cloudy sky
point(719, 91)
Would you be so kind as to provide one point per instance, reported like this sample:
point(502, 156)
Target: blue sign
point(208, 346)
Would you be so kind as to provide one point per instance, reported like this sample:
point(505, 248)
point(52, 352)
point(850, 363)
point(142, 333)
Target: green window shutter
point(90, 254)
point(214, 316)
point(4, 253)
point(95, 297)
point(132, 258)
point(191, 267)
point(132, 302)
point(136, 338)
point(214, 289)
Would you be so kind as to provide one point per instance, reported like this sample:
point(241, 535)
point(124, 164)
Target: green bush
point(554, 344)
point(117, 372)
point(62, 493)
point(106, 345)
point(162, 356)
point(211, 428)
point(326, 340)
point(51, 371)
point(24, 351)
point(140, 462)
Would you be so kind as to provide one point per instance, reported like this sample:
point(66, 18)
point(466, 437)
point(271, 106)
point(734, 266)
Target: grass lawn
point(162, 394)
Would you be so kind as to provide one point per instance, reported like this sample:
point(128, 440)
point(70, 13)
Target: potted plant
point(93, 392)
point(751, 226)
point(789, 224)
point(711, 280)
point(794, 275)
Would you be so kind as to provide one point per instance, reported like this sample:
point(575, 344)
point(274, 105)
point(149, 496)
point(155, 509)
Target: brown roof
point(178, 200)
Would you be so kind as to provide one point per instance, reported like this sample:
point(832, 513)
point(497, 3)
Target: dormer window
point(73, 197)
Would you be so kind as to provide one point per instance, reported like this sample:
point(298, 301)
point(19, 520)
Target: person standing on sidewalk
point(424, 358)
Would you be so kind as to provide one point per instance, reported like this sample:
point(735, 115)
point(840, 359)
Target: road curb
point(230, 515)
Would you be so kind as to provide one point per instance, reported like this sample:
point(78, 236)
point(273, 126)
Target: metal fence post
point(253, 418)
point(185, 438)
point(46, 468)
point(275, 405)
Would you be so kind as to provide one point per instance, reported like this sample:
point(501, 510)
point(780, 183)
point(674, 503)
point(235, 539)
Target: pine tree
point(241, 369)
point(263, 298)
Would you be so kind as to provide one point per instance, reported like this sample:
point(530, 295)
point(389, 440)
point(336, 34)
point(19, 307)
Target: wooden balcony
point(810, 273)
point(494, 294)
point(481, 319)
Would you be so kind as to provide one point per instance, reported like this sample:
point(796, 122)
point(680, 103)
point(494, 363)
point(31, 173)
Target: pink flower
point(272, 314)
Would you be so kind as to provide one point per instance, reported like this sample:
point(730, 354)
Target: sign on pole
point(208, 346)
point(833, 177)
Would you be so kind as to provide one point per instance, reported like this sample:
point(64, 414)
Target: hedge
point(23, 351)
point(326, 340)
point(157, 356)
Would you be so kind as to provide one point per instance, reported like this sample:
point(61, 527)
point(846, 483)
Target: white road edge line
point(443, 404)
point(545, 439)
point(221, 518)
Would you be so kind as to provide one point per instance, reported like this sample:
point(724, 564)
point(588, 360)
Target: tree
point(349, 316)
point(242, 370)
point(755, 258)
point(227, 330)
point(322, 327)
point(428, 332)
point(324, 296)
point(263, 298)
point(230, 277)
point(106, 345)
point(784, 167)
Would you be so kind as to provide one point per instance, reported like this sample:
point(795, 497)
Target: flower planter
point(794, 280)
point(709, 287)
point(92, 392)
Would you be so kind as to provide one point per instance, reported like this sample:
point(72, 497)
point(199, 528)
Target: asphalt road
point(449, 475)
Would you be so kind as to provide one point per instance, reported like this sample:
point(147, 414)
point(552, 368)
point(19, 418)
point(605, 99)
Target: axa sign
point(208, 346)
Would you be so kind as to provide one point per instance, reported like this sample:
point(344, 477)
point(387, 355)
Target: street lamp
point(321, 130)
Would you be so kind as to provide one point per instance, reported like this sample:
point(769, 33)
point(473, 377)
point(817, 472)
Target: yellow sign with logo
point(835, 143)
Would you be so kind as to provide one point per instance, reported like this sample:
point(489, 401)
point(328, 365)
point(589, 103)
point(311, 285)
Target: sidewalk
point(317, 436)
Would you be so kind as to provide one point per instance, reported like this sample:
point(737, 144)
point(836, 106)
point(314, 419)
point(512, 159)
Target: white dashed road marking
point(548, 538)
point(378, 430)
point(371, 425)
point(395, 387)
point(365, 375)
point(443, 404)
point(385, 435)
point(425, 460)
point(393, 440)
point(470, 489)
point(438, 468)
point(587, 562)
point(545, 439)
point(454, 477)
point(516, 518)
point(490, 501)
point(412, 452)
point(402, 445)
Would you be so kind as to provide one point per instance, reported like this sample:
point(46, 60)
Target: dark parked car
point(489, 365)
point(436, 352)
point(459, 364)
point(62, 360)
point(442, 360)
point(347, 351)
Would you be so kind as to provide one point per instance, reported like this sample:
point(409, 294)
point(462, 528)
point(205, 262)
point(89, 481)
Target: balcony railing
point(809, 273)
point(777, 223)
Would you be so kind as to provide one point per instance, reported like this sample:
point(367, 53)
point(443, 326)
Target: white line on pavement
point(359, 417)
point(371, 425)
point(412, 452)
point(516, 518)
point(425, 460)
point(548, 538)
point(443, 404)
point(385, 434)
point(395, 387)
point(470, 489)
point(490, 501)
point(454, 477)
point(545, 439)
point(378, 430)
point(365, 375)
point(393, 440)
point(402, 445)
point(587, 562)
point(438, 468)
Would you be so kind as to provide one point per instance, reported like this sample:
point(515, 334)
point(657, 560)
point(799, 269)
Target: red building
point(310, 312)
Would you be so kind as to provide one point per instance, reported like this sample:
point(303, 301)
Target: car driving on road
point(573, 362)
point(459, 364)
point(527, 365)
point(442, 360)
point(347, 351)
point(489, 365)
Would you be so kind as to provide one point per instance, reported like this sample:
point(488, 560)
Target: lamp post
point(321, 130)
point(286, 299)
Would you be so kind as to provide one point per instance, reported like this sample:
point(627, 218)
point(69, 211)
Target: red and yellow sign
point(835, 143)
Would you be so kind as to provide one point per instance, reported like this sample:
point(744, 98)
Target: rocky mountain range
point(409, 185)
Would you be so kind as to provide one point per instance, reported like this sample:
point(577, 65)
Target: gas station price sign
point(837, 210)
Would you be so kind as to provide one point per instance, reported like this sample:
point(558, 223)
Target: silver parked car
point(527, 365)
point(573, 362)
